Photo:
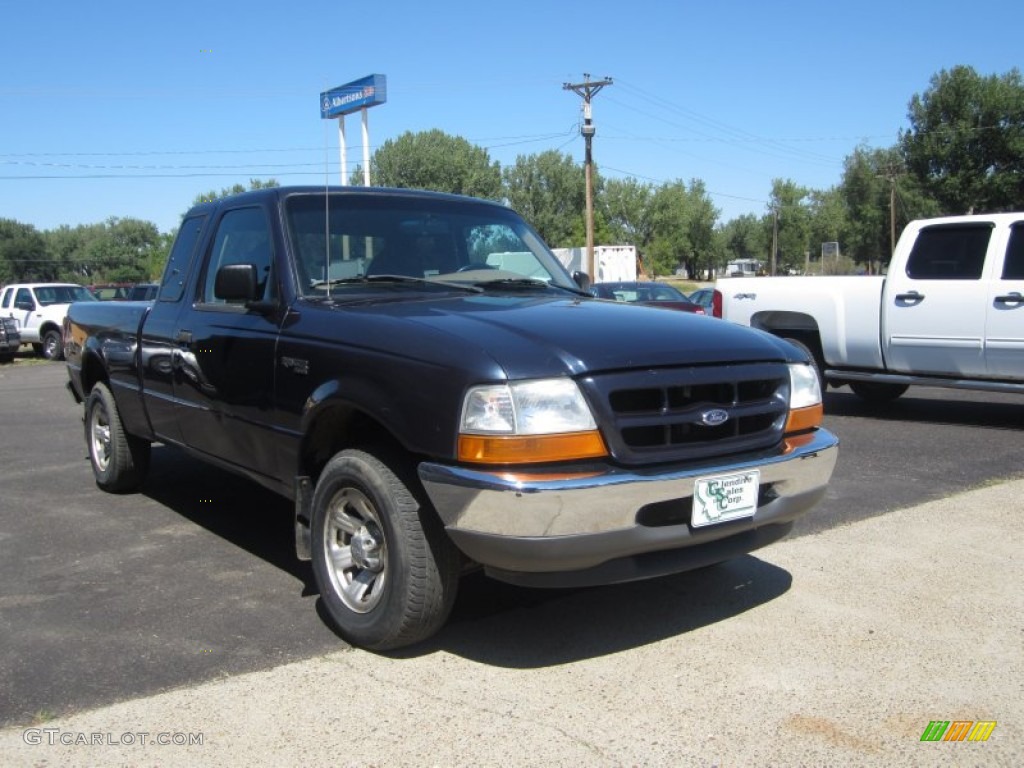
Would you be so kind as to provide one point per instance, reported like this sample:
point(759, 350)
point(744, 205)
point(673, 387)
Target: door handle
point(1010, 298)
point(183, 337)
point(910, 297)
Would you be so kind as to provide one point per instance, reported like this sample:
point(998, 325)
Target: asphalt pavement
point(839, 648)
point(115, 606)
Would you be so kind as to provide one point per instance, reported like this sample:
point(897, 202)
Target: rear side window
point(176, 272)
point(1013, 267)
point(949, 252)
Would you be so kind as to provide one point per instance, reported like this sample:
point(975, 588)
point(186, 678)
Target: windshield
point(62, 294)
point(443, 241)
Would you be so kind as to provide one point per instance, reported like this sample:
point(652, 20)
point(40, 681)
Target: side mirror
point(236, 282)
point(582, 279)
point(25, 306)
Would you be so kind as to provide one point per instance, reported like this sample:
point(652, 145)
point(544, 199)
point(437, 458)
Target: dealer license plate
point(725, 497)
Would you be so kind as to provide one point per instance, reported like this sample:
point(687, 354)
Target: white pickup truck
point(950, 312)
point(38, 309)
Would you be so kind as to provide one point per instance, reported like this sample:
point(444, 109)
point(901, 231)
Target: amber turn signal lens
point(802, 419)
point(531, 449)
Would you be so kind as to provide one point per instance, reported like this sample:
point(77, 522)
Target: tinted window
point(1013, 267)
point(24, 297)
point(949, 252)
point(176, 271)
point(243, 237)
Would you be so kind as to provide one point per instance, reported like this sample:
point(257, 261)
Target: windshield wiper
point(524, 283)
point(367, 279)
point(513, 282)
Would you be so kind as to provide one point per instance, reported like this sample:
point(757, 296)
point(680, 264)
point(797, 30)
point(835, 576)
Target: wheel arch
point(93, 371)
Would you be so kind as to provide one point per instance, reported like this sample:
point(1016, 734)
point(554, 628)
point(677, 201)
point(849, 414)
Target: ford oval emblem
point(714, 417)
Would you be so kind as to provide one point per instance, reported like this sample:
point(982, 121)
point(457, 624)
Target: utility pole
point(587, 90)
point(775, 239)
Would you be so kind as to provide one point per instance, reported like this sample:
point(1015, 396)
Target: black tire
point(386, 569)
point(53, 345)
point(119, 461)
point(817, 359)
point(876, 392)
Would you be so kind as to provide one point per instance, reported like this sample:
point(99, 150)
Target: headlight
point(528, 422)
point(805, 410)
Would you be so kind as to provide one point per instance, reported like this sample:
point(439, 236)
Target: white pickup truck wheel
point(386, 570)
point(53, 345)
point(119, 461)
point(876, 392)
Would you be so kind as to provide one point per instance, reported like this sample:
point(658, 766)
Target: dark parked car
point(651, 294)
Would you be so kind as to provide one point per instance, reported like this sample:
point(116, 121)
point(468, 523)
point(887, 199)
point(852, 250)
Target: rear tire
point(119, 461)
point(876, 392)
point(387, 571)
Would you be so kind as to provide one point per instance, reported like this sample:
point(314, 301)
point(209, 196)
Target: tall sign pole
point(587, 90)
point(356, 96)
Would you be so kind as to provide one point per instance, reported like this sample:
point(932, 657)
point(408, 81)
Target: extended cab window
point(949, 252)
point(176, 271)
point(243, 237)
point(1013, 267)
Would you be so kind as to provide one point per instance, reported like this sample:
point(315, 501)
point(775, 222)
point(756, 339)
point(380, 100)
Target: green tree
point(120, 250)
point(23, 256)
point(626, 205)
point(789, 206)
point(875, 188)
point(234, 189)
point(438, 161)
point(65, 247)
point(744, 237)
point(828, 224)
point(548, 190)
point(965, 144)
point(702, 216)
point(671, 230)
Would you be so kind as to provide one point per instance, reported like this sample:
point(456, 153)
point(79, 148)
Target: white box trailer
point(615, 263)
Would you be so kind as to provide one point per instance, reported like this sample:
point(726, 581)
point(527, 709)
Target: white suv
point(39, 309)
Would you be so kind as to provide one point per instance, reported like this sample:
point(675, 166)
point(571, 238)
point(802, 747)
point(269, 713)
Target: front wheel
point(53, 345)
point(386, 570)
point(876, 392)
point(119, 460)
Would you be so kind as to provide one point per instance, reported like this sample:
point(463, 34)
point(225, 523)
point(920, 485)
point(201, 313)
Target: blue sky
point(133, 109)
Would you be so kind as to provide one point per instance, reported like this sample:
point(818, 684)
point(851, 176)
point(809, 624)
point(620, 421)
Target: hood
point(536, 336)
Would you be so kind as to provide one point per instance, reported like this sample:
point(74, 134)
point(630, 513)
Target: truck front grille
point(675, 414)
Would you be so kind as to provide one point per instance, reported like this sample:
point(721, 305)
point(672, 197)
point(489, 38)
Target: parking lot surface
point(107, 599)
point(837, 648)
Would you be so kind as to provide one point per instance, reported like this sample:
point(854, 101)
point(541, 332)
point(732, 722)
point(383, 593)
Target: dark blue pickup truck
point(435, 393)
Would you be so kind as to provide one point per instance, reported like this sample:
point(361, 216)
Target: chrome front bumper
point(517, 524)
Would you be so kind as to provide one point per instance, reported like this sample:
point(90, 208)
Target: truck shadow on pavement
point(934, 406)
point(492, 622)
point(232, 507)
